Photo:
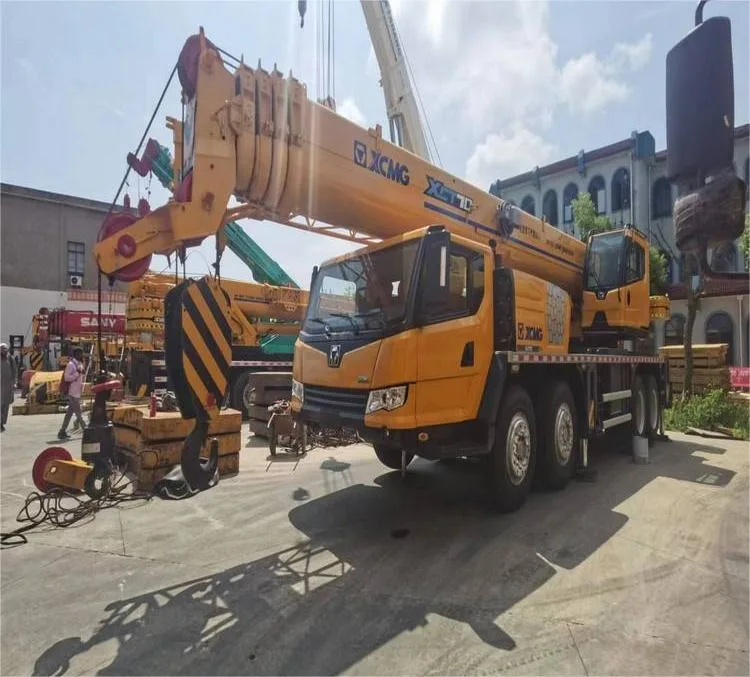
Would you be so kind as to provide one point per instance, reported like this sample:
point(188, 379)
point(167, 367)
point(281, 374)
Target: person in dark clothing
point(7, 383)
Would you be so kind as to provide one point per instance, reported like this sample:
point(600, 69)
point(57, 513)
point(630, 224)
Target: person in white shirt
point(74, 377)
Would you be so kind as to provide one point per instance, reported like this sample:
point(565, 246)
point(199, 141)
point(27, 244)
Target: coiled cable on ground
point(61, 508)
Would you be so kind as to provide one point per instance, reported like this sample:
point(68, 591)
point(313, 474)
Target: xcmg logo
point(381, 164)
point(438, 190)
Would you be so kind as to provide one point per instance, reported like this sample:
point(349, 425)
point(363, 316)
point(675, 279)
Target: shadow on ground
point(377, 561)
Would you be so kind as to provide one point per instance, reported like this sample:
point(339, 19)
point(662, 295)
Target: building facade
point(628, 183)
point(46, 257)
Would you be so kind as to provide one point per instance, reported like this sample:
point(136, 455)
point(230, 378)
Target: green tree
point(585, 217)
point(658, 272)
point(745, 243)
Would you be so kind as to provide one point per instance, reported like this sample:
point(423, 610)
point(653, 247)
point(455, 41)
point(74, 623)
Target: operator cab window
point(635, 265)
point(465, 283)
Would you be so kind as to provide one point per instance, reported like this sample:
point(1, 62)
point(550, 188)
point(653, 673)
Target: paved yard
point(334, 564)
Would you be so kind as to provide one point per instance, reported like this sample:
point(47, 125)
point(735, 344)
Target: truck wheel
point(652, 404)
point(638, 406)
point(558, 435)
point(513, 456)
point(390, 457)
point(238, 390)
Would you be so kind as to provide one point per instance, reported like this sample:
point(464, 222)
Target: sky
point(505, 85)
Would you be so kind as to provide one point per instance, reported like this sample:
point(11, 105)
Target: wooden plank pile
point(153, 446)
point(710, 368)
point(264, 389)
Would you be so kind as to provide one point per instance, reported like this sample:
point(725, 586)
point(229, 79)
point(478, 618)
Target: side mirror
point(700, 102)
point(313, 277)
point(434, 280)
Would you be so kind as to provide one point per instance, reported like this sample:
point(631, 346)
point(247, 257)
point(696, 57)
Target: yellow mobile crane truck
point(465, 326)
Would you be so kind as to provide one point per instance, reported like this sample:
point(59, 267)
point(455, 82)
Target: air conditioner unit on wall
point(76, 281)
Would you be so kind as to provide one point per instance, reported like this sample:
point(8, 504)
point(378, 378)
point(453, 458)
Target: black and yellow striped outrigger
point(36, 360)
point(198, 354)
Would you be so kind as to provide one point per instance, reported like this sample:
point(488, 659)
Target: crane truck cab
point(616, 286)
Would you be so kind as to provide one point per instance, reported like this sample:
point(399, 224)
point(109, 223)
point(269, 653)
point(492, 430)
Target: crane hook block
point(302, 7)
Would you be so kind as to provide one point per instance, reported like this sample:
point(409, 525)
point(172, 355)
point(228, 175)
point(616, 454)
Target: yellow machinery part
point(69, 474)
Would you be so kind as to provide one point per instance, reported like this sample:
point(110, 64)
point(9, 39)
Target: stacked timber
point(152, 446)
point(265, 388)
point(710, 368)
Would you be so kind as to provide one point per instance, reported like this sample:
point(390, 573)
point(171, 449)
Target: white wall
point(18, 305)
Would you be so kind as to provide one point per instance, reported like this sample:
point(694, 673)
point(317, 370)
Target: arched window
point(674, 330)
point(620, 190)
point(724, 258)
point(569, 194)
point(528, 205)
point(598, 192)
point(549, 207)
point(661, 198)
point(720, 329)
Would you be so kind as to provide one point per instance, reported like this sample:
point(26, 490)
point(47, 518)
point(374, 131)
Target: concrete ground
point(333, 564)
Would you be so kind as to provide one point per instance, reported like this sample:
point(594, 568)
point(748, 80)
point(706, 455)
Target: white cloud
point(483, 68)
point(348, 108)
point(504, 155)
point(586, 85)
point(485, 64)
point(632, 56)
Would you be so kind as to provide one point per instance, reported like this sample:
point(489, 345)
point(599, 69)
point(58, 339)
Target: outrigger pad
point(198, 346)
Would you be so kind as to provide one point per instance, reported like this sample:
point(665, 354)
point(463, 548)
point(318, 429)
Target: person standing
point(7, 382)
point(74, 378)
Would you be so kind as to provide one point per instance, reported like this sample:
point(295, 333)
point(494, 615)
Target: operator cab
point(616, 286)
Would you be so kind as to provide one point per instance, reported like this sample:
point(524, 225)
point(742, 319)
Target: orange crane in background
point(264, 321)
point(468, 326)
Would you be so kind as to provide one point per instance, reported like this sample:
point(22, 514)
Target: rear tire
point(513, 456)
point(638, 406)
point(558, 436)
point(272, 439)
point(653, 411)
point(238, 390)
point(390, 457)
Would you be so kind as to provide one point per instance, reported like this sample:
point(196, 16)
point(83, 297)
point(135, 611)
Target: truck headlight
point(386, 398)
point(298, 391)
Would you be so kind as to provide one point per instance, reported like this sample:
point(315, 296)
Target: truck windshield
point(366, 291)
point(604, 261)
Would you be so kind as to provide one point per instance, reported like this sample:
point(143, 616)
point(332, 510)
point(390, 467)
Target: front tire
point(390, 457)
point(513, 457)
point(558, 436)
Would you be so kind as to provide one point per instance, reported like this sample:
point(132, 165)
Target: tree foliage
point(585, 217)
point(658, 272)
point(745, 243)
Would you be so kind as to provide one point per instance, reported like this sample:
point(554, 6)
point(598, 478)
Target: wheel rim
point(638, 413)
point(653, 408)
point(518, 448)
point(563, 433)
